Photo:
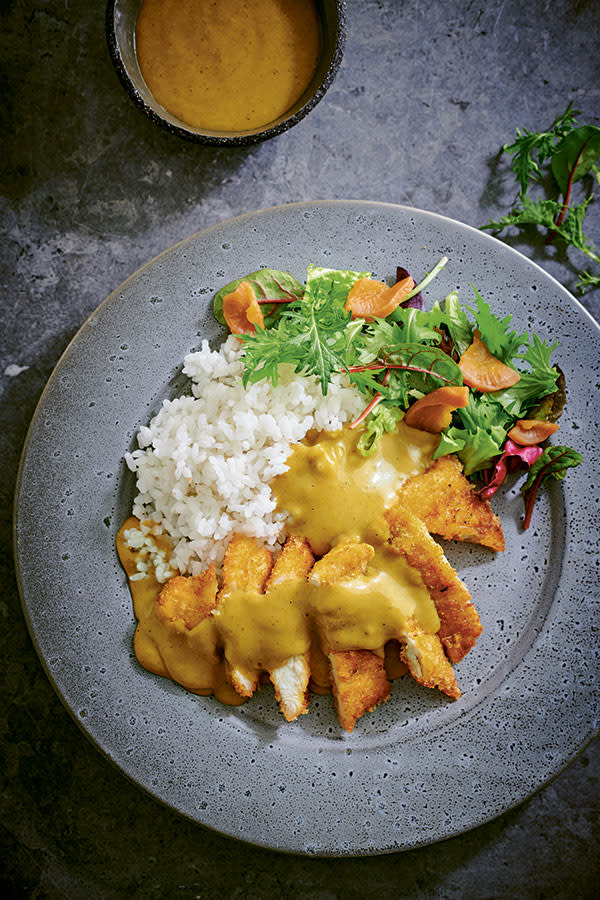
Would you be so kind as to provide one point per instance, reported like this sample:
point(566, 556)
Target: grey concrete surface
point(427, 94)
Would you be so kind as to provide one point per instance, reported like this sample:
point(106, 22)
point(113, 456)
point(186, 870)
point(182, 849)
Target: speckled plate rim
point(391, 785)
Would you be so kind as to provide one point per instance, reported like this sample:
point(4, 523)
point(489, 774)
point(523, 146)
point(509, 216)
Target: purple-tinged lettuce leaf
point(527, 457)
point(416, 302)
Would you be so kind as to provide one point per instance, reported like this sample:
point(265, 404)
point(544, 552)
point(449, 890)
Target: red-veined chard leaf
point(553, 463)
point(575, 155)
point(268, 284)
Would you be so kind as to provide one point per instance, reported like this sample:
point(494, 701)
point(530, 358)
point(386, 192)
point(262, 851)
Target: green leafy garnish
point(429, 276)
point(395, 361)
point(587, 280)
point(415, 324)
point(553, 463)
point(455, 320)
point(501, 342)
point(383, 419)
point(330, 285)
point(420, 367)
point(532, 149)
point(314, 337)
point(478, 435)
point(562, 156)
point(269, 284)
point(575, 155)
point(538, 382)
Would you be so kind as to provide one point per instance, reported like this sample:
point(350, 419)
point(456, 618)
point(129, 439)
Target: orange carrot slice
point(528, 432)
point(433, 412)
point(484, 371)
point(369, 298)
point(241, 310)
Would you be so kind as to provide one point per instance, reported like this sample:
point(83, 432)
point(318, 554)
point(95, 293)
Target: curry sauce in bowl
point(224, 72)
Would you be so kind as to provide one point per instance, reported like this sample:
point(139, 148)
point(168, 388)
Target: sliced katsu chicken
point(345, 560)
point(359, 682)
point(358, 677)
point(190, 598)
point(445, 500)
point(293, 563)
point(427, 662)
point(246, 567)
point(460, 625)
point(290, 680)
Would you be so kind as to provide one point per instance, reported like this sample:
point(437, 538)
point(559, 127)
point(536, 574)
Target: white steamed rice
point(205, 462)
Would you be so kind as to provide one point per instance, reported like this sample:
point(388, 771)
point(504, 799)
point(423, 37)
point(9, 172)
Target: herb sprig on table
point(398, 360)
point(557, 158)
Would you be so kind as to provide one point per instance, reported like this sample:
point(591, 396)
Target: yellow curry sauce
point(331, 493)
point(227, 65)
point(188, 656)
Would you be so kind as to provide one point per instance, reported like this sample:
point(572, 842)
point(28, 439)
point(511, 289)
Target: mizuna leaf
point(531, 149)
point(501, 342)
point(531, 212)
point(588, 280)
point(567, 152)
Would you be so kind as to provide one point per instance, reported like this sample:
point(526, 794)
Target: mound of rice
point(205, 462)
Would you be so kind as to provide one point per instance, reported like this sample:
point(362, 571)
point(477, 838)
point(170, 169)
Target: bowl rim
point(216, 138)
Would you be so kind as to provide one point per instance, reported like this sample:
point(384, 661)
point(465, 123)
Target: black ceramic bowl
point(121, 17)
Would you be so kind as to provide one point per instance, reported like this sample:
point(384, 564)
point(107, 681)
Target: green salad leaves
point(395, 361)
point(555, 160)
point(272, 287)
point(552, 463)
point(314, 334)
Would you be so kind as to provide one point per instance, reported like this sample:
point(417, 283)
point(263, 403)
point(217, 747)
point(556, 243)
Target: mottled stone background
point(427, 94)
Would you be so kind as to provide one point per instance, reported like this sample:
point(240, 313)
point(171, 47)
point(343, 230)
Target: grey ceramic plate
point(420, 768)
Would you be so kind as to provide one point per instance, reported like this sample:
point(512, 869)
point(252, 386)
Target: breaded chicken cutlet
point(358, 677)
point(446, 502)
point(460, 625)
point(441, 501)
point(290, 680)
point(246, 567)
point(190, 598)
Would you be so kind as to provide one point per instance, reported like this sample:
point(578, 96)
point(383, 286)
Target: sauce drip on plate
point(228, 65)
